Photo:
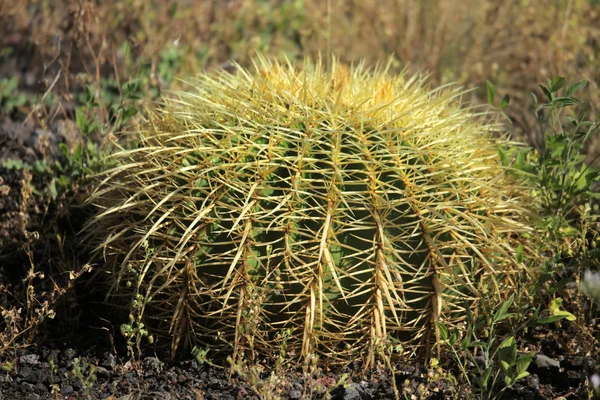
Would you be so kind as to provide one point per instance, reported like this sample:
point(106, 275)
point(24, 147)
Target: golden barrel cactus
point(344, 207)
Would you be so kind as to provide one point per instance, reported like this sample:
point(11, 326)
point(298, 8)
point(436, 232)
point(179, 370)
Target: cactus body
point(331, 210)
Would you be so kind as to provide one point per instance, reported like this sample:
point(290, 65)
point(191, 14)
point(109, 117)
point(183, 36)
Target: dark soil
point(41, 368)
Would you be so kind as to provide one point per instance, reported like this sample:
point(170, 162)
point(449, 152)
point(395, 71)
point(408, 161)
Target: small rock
point(67, 390)
point(102, 372)
point(41, 388)
point(77, 385)
point(131, 378)
point(109, 360)
point(69, 355)
point(27, 387)
point(29, 359)
point(37, 376)
point(295, 394)
point(24, 371)
point(533, 381)
point(152, 365)
point(53, 356)
point(542, 361)
point(215, 383)
point(157, 396)
point(352, 393)
point(29, 392)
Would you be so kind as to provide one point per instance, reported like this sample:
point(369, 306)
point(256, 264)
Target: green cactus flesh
point(347, 206)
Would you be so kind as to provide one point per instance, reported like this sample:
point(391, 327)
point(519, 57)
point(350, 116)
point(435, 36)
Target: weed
point(564, 188)
point(485, 362)
point(564, 181)
point(201, 356)
point(86, 374)
point(10, 97)
point(54, 387)
point(24, 311)
point(268, 388)
point(135, 331)
point(496, 358)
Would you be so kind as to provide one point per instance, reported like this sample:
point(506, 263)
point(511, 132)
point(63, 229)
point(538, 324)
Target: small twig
point(52, 85)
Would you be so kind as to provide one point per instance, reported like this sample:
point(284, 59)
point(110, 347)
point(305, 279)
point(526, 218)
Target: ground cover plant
point(75, 73)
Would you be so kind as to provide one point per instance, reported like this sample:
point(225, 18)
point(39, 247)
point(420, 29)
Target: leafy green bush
point(564, 189)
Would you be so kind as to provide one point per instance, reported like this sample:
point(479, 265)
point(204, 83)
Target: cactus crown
point(345, 208)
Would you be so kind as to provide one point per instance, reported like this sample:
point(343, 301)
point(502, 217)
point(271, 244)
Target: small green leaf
point(486, 376)
point(92, 127)
point(565, 101)
point(53, 191)
point(501, 314)
point(491, 92)
point(77, 153)
point(64, 181)
point(523, 363)
point(91, 147)
point(507, 351)
point(574, 87)
point(534, 100)
point(521, 375)
point(476, 344)
point(442, 330)
point(40, 165)
point(454, 337)
point(547, 94)
point(555, 309)
point(557, 83)
point(504, 102)
point(520, 162)
point(550, 319)
point(503, 157)
point(519, 254)
point(64, 149)
point(81, 121)
point(128, 113)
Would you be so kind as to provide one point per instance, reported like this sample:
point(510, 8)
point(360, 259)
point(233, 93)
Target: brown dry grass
point(514, 43)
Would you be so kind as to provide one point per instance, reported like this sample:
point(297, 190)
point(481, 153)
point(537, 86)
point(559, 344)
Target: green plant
point(268, 388)
point(564, 181)
point(86, 374)
point(135, 331)
point(10, 98)
point(497, 361)
point(348, 206)
point(54, 387)
point(201, 356)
